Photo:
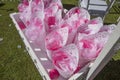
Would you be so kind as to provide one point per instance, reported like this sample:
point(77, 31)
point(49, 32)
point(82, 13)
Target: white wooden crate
point(43, 64)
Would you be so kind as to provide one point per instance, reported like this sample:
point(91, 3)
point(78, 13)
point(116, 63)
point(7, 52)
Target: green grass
point(16, 64)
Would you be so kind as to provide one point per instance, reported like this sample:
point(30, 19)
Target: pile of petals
point(70, 38)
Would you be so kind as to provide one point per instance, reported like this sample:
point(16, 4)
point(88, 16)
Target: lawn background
point(16, 64)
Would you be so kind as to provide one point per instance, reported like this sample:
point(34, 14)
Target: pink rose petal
point(54, 74)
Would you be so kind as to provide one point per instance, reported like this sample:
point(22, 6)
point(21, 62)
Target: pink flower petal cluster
point(65, 60)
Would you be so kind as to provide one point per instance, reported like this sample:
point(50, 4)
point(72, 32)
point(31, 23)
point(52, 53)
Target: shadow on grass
point(106, 23)
point(110, 72)
point(8, 10)
point(68, 6)
point(116, 10)
point(2, 4)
